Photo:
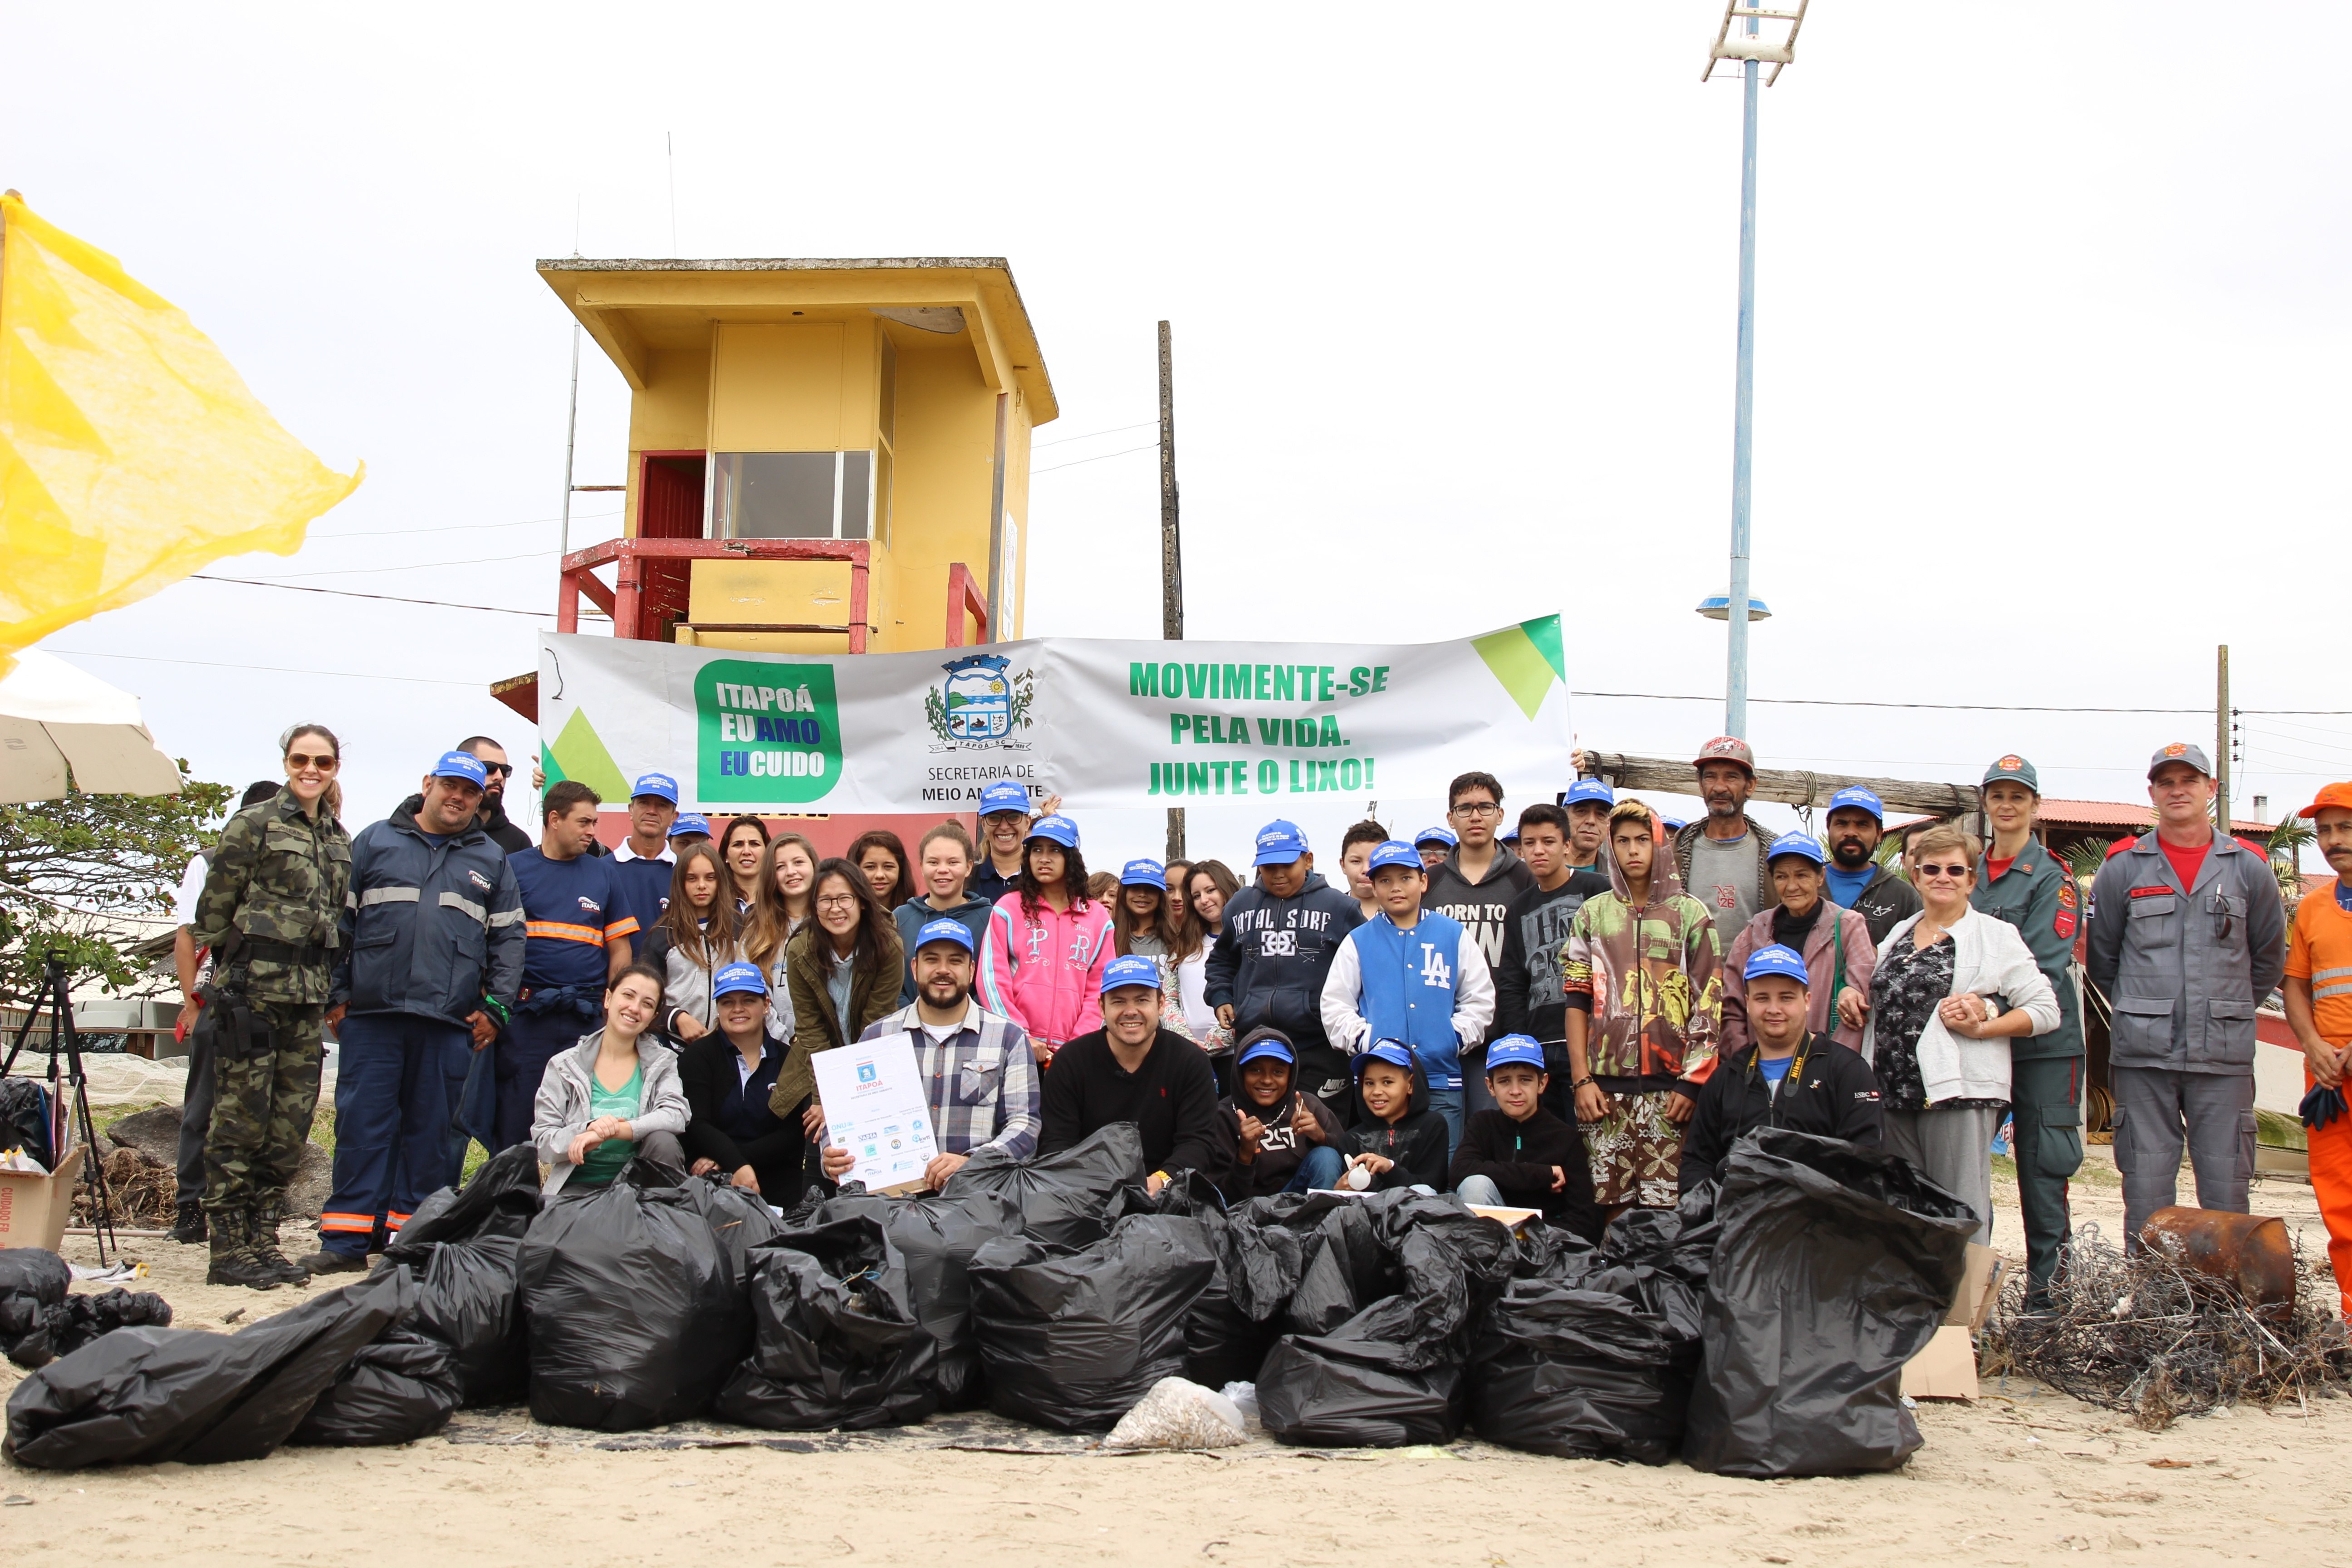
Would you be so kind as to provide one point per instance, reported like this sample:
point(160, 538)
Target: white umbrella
point(53, 716)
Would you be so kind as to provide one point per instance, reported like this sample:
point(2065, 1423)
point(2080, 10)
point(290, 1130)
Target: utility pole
point(1172, 553)
point(2222, 739)
point(1750, 49)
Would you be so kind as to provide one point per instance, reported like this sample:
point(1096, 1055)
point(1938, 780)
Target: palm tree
point(2287, 842)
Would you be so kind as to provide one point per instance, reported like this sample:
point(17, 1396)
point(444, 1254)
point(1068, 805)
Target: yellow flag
point(131, 453)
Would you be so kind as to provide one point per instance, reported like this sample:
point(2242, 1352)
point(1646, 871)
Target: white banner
point(1102, 723)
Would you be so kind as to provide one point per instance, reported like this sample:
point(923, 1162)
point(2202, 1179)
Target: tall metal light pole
point(1749, 48)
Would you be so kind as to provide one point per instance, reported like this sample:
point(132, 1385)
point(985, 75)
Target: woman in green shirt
point(613, 1097)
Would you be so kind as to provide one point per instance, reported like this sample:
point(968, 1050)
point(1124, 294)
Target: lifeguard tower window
point(791, 495)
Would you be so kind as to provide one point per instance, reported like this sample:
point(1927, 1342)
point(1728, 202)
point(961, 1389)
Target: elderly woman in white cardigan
point(614, 1096)
point(1951, 990)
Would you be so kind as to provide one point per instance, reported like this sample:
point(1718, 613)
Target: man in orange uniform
point(2319, 1009)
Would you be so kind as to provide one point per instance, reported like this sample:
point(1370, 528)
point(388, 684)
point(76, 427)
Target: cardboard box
point(1979, 1289)
point(1946, 1369)
point(32, 1209)
point(1513, 1218)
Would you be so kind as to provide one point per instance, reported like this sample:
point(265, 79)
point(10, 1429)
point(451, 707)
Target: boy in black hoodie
point(1519, 1155)
point(1397, 1140)
point(1268, 970)
point(1283, 1140)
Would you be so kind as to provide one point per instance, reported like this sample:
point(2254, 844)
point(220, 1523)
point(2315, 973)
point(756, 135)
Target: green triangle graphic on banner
point(579, 753)
point(1524, 665)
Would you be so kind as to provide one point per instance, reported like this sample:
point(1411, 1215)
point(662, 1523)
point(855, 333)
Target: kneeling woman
point(614, 1096)
point(728, 1075)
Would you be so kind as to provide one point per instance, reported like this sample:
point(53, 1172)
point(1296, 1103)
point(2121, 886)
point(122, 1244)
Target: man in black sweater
point(1131, 1070)
point(1520, 1155)
point(1789, 1078)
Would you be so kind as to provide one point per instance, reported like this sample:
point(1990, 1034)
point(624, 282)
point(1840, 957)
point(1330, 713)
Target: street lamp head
point(1750, 43)
point(1718, 607)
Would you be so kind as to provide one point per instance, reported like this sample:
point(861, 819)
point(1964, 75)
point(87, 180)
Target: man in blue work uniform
point(2024, 884)
point(430, 957)
point(579, 937)
point(644, 861)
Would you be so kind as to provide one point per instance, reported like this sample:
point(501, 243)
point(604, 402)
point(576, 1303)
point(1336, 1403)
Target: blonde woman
point(781, 906)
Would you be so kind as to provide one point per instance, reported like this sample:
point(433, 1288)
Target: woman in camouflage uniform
point(269, 912)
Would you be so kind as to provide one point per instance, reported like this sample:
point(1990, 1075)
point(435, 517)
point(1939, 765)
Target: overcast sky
point(2052, 335)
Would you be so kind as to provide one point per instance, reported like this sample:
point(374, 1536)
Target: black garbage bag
point(87, 1316)
point(1366, 1385)
point(1579, 1373)
point(1552, 1252)
point(635, 1313)
point(1063, 1199)
point(1342, 1273)
point(399, 1389)
point(149, 1394)
point(1835, 1267)
point(463, 1248)
point(836, 1342)
point(1223, 1344)
point(1072, 1338)
point(33, 1313)
point(936, 1237)
point(24, 1119)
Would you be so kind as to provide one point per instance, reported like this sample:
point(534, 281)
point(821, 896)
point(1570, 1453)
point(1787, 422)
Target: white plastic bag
point(1178, 1413)
point(17, 1160)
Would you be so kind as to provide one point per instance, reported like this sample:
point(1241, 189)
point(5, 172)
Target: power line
point(1114, 430)
point(271, 669)
point(411, 566)
point(1150, 446)
point(350, 593)
point(460, 527)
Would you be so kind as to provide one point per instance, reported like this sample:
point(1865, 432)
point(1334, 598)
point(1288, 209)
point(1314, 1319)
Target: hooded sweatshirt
point(1426, 986)
point(1416, 1143)
point(1483, 907)
point(1651, 978)
point(1270, 965)
point(1518, 1156)
point(916, 913)
point(495, 822)
point(1280, 1150)
point(1043, 971)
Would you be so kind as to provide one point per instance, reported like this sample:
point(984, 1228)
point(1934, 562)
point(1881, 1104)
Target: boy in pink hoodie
point(1041, 962)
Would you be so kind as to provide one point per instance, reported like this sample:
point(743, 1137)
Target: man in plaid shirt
point(983, 1077)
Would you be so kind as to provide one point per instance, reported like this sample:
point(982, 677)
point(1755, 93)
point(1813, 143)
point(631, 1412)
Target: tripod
point(68, 1119)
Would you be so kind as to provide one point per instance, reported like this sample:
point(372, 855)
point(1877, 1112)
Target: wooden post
point(1171, 554)
point(2222, 741)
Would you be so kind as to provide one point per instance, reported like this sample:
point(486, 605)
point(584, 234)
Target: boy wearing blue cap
point(1412, 975)
point(1519, 1155)
point(1397, 1140)
point(1792, 1077)
point(1131, 1070)
point(1434, 845)
point(1283, 1140)
point(1267, 969)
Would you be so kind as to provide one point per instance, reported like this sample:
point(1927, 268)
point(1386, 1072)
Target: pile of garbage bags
point(1759, 1329)
point(40, 1321)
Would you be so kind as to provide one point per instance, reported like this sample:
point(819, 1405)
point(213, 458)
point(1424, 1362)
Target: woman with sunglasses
point(269, 912)
point(1939, 1032)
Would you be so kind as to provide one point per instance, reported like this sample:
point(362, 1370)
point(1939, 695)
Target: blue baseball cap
point(1594, 790)
point(1436, 835)
point(1266, 1043)
point(1675, 824)
point(1803, 843)
point(1132, 970)
point(1776, 960)
point(1396, 852)
point(734, 977)
point(1519, 1048)
point(944, 930)
point(1860, 799)
point(1143, 874)
point(1279, 843)
point(660, 785)
point(1394, 1052)
point(1056, 829)
point(689, 822)
point(462, 766)
point(1003, 795)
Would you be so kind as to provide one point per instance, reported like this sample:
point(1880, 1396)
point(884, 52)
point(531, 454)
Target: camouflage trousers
point(264, 1098)
point(1636, 1152)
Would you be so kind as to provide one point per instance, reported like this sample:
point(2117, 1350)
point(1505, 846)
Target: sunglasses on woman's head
point(296, 761)
point(1955, 872)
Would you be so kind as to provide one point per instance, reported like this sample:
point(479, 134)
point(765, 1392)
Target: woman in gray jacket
point(613, 1097)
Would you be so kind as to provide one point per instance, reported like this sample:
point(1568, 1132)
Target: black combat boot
point(188, 1225)
point(233, 1262)
point(265, 1250)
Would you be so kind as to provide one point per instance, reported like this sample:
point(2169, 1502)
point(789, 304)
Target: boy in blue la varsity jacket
point(1414, 976)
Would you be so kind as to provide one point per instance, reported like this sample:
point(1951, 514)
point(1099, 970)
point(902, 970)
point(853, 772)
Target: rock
point(313, 1183)
point(155, 1133)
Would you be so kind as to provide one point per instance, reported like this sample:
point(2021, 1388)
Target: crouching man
point(1789, 1078)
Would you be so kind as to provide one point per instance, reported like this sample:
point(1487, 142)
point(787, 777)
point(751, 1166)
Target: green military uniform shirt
point(278, 877)
point(2038, 896)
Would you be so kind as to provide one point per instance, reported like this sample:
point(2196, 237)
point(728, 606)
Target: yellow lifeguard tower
point(823, 455)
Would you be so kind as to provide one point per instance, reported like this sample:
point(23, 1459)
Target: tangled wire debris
point(2155, 1340)
point(144, 1191)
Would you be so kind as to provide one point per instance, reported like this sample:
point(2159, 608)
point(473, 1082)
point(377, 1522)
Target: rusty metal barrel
point(2249, 1252)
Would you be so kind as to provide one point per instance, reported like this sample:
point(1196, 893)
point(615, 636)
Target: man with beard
point(1724, 858)
point(1855, 880)
point(498, 770)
